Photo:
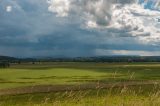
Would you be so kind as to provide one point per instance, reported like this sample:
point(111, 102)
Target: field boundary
point(59, 88)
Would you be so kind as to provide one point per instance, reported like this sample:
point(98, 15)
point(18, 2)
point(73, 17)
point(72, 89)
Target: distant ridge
point(84, 59)
point(6, 58)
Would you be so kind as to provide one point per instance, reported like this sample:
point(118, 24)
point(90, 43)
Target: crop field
point(80, 84)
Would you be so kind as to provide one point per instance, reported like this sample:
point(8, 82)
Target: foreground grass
point(148, 95)
point(80, 73)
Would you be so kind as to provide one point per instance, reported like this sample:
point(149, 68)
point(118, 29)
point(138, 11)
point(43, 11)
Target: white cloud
point(104, 52)
point(61, 7)
point(157, 5)
point(138, 22)
point(122, 15)
point(8, 8)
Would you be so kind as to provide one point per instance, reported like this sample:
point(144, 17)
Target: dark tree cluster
point(4, 65)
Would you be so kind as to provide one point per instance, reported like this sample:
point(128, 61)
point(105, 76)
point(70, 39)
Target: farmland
point(90, 83)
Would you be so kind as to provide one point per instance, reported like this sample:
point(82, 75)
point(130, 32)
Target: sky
point(74, 28)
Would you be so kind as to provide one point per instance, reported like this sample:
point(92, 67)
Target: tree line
point(6, 61)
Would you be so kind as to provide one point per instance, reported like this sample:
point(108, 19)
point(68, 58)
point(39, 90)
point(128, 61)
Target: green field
point(136, 82)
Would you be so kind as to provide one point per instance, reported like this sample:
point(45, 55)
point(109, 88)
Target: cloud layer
point(79, 27)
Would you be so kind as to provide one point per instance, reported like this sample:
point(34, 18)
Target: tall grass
point(147, 95)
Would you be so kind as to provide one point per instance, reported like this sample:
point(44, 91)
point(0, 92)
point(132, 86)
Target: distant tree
point(19, 62)
point(33, 62)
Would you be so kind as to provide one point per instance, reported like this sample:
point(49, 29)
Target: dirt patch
point(56, 88)
point(60, 77)
point(51, 77)
point(14, 82)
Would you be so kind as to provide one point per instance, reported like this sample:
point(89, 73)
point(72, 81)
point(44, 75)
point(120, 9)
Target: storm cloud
point(79, 27)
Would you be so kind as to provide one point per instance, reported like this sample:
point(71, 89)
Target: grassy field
point(139, 84)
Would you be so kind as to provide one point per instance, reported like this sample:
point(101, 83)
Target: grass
point(121, 96)
point(75, 73)
point(83, 73)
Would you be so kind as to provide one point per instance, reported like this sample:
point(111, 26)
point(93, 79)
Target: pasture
point(82, 84)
